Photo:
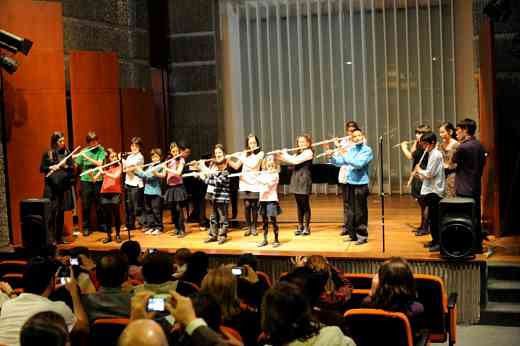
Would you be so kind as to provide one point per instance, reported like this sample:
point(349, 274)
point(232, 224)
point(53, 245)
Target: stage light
point(8, 64)
point(14, 43)
point(498, 10)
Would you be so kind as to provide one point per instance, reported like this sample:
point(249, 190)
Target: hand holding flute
point(56, 167)
point(416, 169)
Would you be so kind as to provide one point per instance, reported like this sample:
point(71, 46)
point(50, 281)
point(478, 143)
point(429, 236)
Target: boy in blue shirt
point(358, 158)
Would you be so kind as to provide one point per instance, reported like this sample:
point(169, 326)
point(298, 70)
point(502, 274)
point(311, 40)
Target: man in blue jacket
point(358, 158)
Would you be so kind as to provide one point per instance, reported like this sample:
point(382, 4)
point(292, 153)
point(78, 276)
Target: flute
point(328, 141)
point(279, 151)
point(240, 152)
point(407, 142)
point(415, 169)
point(99, 168)
point(251, 172)
point(62, 162)
point(155, 163)
point(325, 153)
point(87, 150)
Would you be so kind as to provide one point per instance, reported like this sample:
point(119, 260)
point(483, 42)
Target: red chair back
point(370, 327)
point(359, 281)
point(13, 279)
point(187, 288)
point(231, 333)
point(12, 266)
point(264, 277)
point(106, 331)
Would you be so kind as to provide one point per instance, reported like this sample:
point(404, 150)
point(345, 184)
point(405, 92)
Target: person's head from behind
point(222, 285)
point(466, 128)
point(39, 276)
point(143, 332)
point(157, 268)
point(429, 141)
point(185, 150)
point(91, 138)
point(208, 308)
point(286, 315)
point(311, 282)
point(396, 285)
point(132, 250)
point(249, 259)
point(45, 328)
point(112, 269)
point(182, 256)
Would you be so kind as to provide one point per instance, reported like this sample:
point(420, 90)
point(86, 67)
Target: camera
point(238, 271)
point(151, 251)
point(63, 272)
point(156, 304)
point(74, 261)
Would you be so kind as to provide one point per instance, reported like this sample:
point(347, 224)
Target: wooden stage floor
point(401, 217)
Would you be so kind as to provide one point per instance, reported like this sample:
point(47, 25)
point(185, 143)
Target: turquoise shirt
point(358, 158)
point(152, 183)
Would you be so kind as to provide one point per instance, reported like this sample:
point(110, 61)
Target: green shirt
point(97, 154)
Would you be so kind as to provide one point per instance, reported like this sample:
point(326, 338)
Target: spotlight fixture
point(498, 10)
point(8, 64)
point(14, 43)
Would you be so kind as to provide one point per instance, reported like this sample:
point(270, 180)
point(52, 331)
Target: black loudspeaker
point(35, 215)
point(456, 227)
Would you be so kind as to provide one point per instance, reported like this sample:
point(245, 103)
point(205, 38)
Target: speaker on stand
point(457, 236)
point(35, 216)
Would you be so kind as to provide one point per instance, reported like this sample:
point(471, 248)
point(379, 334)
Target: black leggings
point(177, 211)
point(424, 213)
point(304, 209)
point(251, 211)
point(111, 211)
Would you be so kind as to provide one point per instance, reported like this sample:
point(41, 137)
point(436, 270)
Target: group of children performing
point(101, 172)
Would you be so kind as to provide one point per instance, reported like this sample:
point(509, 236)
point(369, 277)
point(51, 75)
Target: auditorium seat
point(440, 311)
point(359, 281)
point(106, 331)
point(264, 277)
point(369, 327)
point(231, 333)
point(187, 288)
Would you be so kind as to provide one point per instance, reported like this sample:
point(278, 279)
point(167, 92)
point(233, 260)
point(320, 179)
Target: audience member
point(132, 250)
point(393, 289)
point(222, 285)
point(45, 328)
point(143, 332)
point(197, 268)
point(181, 262)
point(6, 292)
point(84, 271)
point(157, 273)
point(110, 300)
point(38, 283)
point(287, 320)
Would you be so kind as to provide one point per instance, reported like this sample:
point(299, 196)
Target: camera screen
point(150, 251)
point(74, 261)
point(155, 304)
point(237, 271)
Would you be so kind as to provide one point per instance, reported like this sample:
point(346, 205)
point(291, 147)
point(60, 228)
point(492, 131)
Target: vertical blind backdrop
point(307, 66)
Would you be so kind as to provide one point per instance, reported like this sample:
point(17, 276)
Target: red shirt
point(111, 185)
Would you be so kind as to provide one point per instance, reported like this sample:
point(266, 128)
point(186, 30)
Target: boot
point(276, 242)
point(212, 236)
point(266, 231)
point(108, 239)
point(299, 230)
point(306, 230)
point(118, 237)
point(222, 235)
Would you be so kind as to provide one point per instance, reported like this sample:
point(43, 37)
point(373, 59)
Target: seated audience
point(222, 285)
point(39, 281)
point(181, 262)
point(132, 250)
point(250, 287)
point(197, 268)
point(6, 292)
point(45, 328)
point(287, 320)
point(393, 289)
point(85, 270)
point(110, 300)
point(157, 273)
point(337, 290)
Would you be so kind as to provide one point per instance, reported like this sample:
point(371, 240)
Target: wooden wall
point(34, 97)
point(491, 212)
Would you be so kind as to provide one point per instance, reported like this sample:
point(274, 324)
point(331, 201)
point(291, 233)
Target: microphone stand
point(381, 189)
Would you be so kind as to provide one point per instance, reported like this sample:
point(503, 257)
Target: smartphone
point(152, 250)
point(238, 271)
point(74, 261)
point(156, 304)
point(63, 281)
point(63, 272)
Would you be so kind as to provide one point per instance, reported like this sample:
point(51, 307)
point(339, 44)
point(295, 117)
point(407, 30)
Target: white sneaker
point(148, 231)
point(156, 231)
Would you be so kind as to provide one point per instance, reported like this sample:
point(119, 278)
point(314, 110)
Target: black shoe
point(428, 244)
point(361, 241)
point(86, 233)
point(263, 243)
point(343, 232)
point(421, 232)
point(306, 231)
point(118, 238)
point(434, 248)
point(107, 240)
point(222, 240)
point(298, 231)
point(181, 234)
point(248, 232)
point(254, 231)
point(276, 243)
point(350, 238)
